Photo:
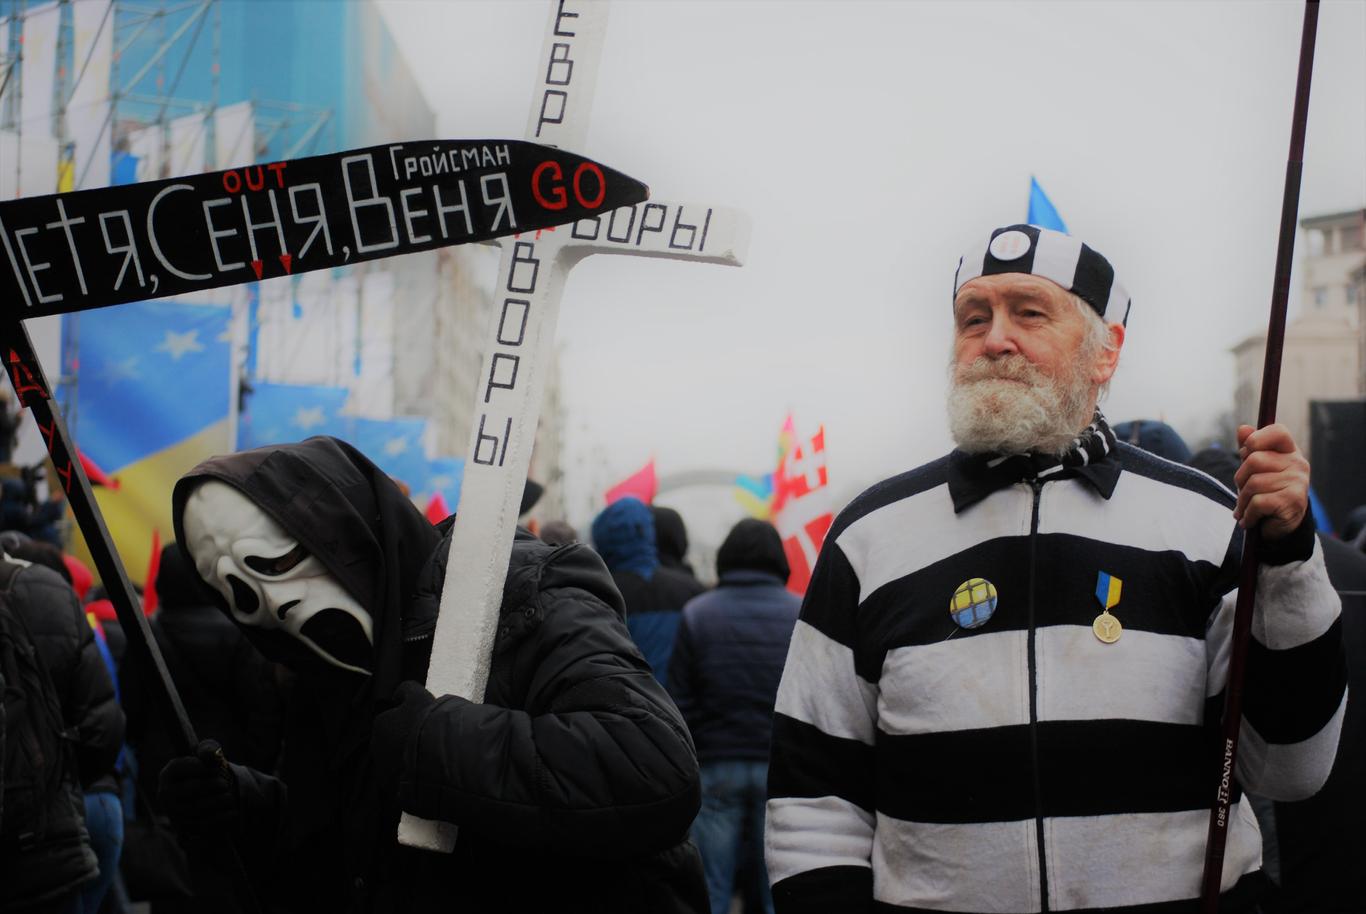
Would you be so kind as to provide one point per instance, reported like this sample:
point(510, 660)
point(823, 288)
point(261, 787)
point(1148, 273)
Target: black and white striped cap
point(1052, 255)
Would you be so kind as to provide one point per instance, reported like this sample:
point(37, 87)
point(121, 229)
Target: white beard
point(1009, 406)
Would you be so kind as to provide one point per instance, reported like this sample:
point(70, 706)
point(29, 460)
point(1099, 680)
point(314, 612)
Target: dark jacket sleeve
point(599, 759)
point(67, 643)
point(682, 670)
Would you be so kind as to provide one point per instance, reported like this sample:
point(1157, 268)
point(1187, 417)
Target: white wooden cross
point(531, 277)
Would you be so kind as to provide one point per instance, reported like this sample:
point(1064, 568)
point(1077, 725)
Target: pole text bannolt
point(71, 252)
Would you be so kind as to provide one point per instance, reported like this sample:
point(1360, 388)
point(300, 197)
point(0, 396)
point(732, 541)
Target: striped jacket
point(1025, 765)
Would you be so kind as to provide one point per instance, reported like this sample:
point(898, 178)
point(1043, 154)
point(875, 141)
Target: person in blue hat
point(1007, 676)
point(624, 535)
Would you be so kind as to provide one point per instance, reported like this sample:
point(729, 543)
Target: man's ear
point(1107, 360)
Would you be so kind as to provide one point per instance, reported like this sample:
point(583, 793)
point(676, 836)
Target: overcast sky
point(870, 143)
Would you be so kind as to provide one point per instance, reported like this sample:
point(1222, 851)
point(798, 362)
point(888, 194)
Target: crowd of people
point(1001, 691)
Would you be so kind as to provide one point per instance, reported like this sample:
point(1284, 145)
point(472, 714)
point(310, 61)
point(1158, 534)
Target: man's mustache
point(1006, 368)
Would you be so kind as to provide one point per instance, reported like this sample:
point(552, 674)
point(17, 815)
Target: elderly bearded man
point(1005, 687)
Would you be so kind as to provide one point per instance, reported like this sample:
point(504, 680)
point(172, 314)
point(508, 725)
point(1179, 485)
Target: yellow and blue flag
point(149, 401)
point(755, 495)
point(1107, 590)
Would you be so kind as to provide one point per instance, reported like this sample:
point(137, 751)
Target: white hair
point(1096, 340)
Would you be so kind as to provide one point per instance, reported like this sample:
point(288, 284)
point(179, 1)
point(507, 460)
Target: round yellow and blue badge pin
point(973, 603)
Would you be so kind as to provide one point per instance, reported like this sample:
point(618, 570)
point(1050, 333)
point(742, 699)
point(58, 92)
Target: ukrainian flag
point(279, 413)
point(755, 495)
point(1108, 588)
point(150, 399)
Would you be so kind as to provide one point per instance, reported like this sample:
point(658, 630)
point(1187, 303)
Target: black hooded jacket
point(573, 784)
point(51, 613)
point(229, 690)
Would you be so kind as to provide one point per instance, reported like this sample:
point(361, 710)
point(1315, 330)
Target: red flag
point(149, 589)
point(81, 578)
point(96, 476)
point(642, 484)
point(102, 610)
point(801, 506)
point(436, 510)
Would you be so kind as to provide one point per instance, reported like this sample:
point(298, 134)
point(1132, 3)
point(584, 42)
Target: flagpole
point(32, 391)
point(1271, 373)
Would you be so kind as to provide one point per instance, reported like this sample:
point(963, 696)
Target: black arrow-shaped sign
point(91, 248)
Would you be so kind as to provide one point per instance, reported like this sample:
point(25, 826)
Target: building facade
point(176, 88)
point(1325, 345)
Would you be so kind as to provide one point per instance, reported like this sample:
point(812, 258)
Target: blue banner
point(1041, 210)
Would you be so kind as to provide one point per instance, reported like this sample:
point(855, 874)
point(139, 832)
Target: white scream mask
point(270, 581)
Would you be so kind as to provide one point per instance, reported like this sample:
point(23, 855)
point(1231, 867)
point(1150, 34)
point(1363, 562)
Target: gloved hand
point(199, 792)
point(392, 729)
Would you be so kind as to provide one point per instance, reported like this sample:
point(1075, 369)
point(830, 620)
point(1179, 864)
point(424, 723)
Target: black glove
point(199, 792)
point(392, 729)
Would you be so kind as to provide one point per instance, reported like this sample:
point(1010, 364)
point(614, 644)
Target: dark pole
point(1266, 414)
point(32, 391)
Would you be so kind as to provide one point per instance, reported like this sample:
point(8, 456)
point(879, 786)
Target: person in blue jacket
point(624, 535)
point(724, 674)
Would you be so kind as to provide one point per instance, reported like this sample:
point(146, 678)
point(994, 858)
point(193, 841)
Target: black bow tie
point(1091, 456)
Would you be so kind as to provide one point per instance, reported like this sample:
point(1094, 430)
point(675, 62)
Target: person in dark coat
point(624, 535)
point(572, 784)
point(558, 533)
point(724, 674)
point(671, 540)
point(65, 642)
point(20, 510)
point(1314, 847)
point(1354, 531)
point(230, 692)
point(1155, 437)
point(102, 805)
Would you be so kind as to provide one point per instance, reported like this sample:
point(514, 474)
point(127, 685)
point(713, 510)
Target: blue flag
point(151, 399)
point(1041, 210)
point(278, 413)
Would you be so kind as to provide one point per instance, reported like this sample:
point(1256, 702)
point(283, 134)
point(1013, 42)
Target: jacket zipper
point(1037, 486)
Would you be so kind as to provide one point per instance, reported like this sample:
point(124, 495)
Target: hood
point(671, 536)
point(346, 512)
point(1218, 463)
point(1154, 437)
point(624, 535)
point(753, 545)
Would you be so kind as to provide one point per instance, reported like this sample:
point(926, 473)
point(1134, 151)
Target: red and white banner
point(802, 509)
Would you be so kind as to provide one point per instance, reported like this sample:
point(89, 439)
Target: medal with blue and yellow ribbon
point(1106, 626)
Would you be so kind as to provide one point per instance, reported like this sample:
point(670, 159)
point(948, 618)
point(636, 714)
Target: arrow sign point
point(287, 260)
point(256, 266)
point(14, 357)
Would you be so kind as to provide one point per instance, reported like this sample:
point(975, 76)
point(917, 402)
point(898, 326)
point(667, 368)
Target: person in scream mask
point(572, 784)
